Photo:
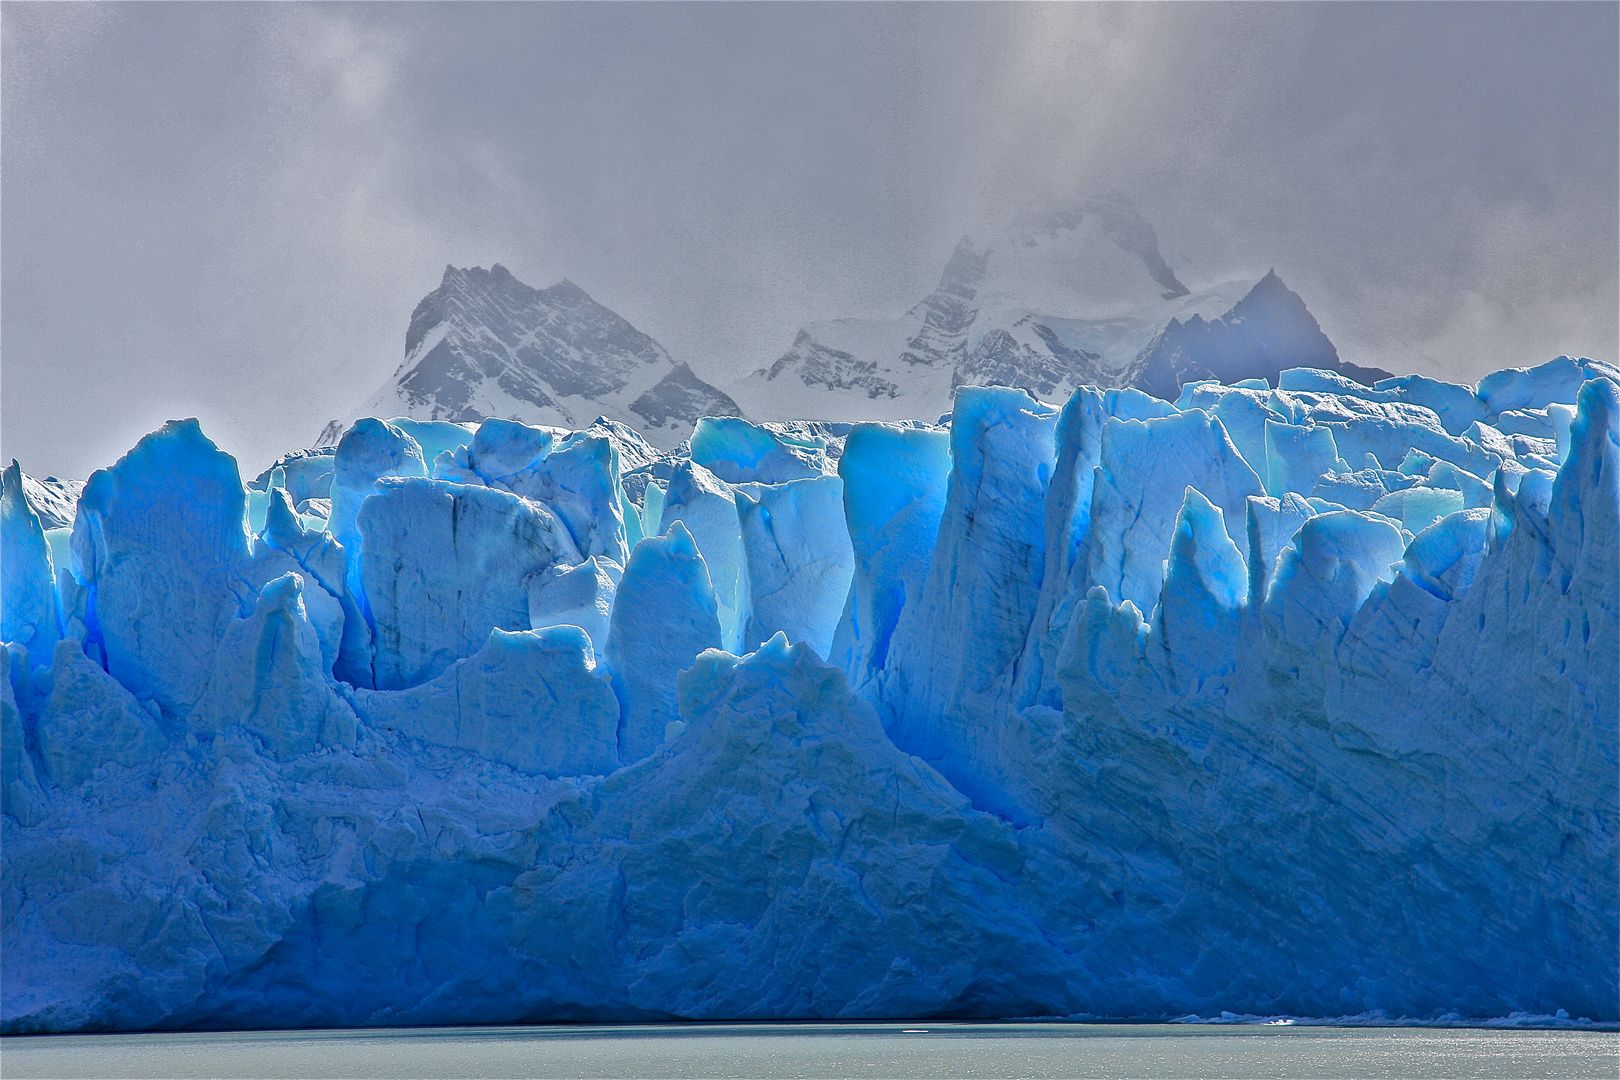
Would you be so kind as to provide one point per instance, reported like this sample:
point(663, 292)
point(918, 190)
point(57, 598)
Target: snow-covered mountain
point(993, 319)
point(485, 344)
point(1268, 331)
point(1064, 299)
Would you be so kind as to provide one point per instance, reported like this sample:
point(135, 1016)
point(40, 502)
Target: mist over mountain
point(1067, 296)
point(230, 210)
point(1122, 223)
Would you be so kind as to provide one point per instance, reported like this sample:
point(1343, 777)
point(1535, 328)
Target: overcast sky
point(230, 210)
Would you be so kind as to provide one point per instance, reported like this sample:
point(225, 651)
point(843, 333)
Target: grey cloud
point(230, 210)
point(1121, 222)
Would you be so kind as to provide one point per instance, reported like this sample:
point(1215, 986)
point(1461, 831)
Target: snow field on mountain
point(1268, 701)
point(485, 344)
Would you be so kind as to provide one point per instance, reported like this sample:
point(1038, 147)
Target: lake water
point(826, 1050)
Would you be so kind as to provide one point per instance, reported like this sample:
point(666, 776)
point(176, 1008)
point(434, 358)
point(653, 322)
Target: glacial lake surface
point(828, 1050)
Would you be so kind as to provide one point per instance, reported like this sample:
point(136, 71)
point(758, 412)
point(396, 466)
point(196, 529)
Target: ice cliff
point(1270, 700)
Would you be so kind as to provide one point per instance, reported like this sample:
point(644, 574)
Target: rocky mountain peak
point(486, 344)
point(1270, 329)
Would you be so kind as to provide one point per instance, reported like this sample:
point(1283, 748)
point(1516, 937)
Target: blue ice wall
point(1297, 700)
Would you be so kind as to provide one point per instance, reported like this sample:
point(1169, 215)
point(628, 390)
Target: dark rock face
point(948, 312)
point(1133, 233)
point(535, 344)
point(818, 365)
point(485, 344)
point(1268, 331)
point(681, 398)
point(1000, 359)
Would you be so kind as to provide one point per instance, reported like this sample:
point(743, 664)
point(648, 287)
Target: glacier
point(1280, 698)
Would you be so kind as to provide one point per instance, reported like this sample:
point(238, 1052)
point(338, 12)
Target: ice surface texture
point(1297, 700)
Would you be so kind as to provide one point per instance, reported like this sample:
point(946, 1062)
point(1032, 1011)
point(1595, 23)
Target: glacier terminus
point(1293, 694)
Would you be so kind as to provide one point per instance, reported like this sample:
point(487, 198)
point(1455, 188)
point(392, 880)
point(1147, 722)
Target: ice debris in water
point(1273, 701)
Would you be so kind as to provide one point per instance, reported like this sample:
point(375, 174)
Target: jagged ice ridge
point(1264, 701)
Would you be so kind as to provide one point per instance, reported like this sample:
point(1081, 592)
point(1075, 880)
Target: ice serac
point(1205, 584)
point(305, 474)
point(500, 449)
point(1416, 508)
point(1455, 405)
point(444, 564)
point(161, 544)
point(528, 699)
point(895, 479)
point(580, 595)
point(369, 451)
point(740, 452)
point(324, 565)
point(1271, 526)
point(270, 678)
point(579, 482)
point(954, 653)
point(707, 506)
point(1443, 558)
point(1363, 489)
point(53, 500)
point(29, 606)
point(435, 437)
point(577, 478)
point(89, 721)
point(21, 796)
point(1531, 635)
point(1067, 513)
point(1413, 728)
point(1144, 469)
point(1557, 381)
point(1297, 456)
point(800, 561)
point(1321, 580)
point(664, 615)
point(1244, 414)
